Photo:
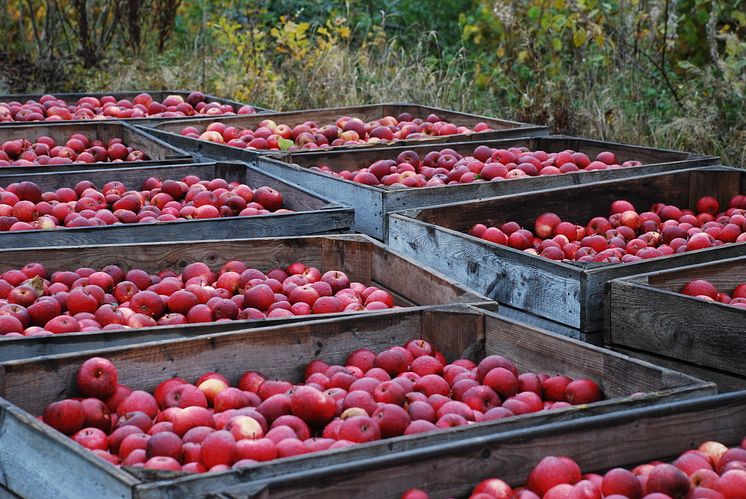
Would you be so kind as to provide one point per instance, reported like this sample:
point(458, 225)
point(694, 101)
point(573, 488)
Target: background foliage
point(668, 73)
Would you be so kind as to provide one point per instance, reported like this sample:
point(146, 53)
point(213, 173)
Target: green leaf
point(579, 38)
point(285, 144)
point(534, 12)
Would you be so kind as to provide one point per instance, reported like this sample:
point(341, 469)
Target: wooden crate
point(360, 257)
point(372, 203)
point(158, 151)
point(597, 444)
point(648, 317)
point(569, 293)
point(312, 213)
point(159, 95)
point(170, 131)
point(28, 386)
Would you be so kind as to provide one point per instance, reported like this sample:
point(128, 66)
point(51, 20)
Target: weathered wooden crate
point(282, 351)
point(312, 214)
point(372, 203)
point(170, 131)
point(599, 443)
point(360, 257)
point(569, 293)
point(159, 151)
point(647, 317)
point(159, 95)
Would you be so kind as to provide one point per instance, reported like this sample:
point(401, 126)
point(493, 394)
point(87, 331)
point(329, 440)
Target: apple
point(97, 377)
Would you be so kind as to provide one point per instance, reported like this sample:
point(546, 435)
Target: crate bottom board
point(594, 338)
point(725, 381)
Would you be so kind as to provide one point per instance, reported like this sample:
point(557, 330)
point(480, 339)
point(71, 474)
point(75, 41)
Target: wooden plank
point(512, 313)
point(725, 381)
point(511, 277)
point(279, 225)
point(368, 203)
point(38, 462)
point(648, 314)
point(613, 372)
point(658, 432)
point(394, 271)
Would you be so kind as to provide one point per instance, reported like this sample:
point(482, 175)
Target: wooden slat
point(35, 459)
point(725, 381)
point(369, 212)
point(647, 314)
point(516, 280)
point(537, 321)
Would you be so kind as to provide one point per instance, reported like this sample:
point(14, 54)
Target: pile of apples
point(485, 164)
point(33, 303)
point(712, 471)
point(211, 426)
point(23, 205)
point(626, 235)
point(50, 108)
point(344, 132)
point(705, 290)
point(78, 148)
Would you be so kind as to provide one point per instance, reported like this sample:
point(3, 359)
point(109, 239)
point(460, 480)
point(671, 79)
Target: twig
point(32, 17)
point(662, 72)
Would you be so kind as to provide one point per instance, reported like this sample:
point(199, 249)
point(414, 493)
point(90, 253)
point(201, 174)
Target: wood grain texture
point(537, 321)
point(38, 462)
point(648, 314)
point(571, 294)
point(725, 381)
point(613, 372)
point(511, 277)
point(283, 351)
